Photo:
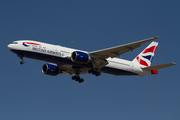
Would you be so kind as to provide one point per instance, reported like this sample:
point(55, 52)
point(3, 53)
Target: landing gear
point(77, 78)
point(95, 72)
point(22, 62)
point(21, 57)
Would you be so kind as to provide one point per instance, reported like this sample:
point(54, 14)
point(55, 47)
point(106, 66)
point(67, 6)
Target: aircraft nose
point(9, 47)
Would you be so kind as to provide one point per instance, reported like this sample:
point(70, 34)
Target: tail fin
point(144, 59)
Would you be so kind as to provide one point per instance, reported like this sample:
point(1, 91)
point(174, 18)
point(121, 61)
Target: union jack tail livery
point(144, 59)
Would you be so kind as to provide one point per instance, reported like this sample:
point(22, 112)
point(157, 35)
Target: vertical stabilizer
point(144, 59)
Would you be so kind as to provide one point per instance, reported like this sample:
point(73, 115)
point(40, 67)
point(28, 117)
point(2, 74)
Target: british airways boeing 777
point(63, 60)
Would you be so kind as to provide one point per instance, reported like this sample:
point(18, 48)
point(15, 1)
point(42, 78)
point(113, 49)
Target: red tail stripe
point(151, 49)
point(142, 62)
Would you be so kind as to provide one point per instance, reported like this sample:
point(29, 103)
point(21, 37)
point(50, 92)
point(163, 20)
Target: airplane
point(64, 60)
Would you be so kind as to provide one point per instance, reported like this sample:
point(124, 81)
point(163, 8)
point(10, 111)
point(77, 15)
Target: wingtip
point(173, 63)
point(156, 37)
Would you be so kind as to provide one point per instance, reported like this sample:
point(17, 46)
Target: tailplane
point(159, 66)
point(144, 59)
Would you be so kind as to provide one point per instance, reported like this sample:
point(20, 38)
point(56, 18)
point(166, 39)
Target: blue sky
point(26, 93)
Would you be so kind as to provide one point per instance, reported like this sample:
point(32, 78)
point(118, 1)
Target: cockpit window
point(15, 43)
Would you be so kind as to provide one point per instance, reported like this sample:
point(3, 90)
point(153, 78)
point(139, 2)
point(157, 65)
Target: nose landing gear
point(21, 57)
point(22, 62)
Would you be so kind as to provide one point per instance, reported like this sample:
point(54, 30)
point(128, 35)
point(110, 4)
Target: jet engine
point(50, 69)
point(80, 57)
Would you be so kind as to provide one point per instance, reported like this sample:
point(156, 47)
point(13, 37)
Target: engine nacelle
point(80, 57)
point(50, 69)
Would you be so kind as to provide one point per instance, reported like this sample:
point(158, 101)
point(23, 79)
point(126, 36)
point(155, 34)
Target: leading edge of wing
point(118, 50)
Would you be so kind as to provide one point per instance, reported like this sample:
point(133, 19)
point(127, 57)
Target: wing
point(68, 70)
point(118, 50)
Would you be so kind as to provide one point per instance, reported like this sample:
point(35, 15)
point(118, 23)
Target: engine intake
point(80, 57)
point(50, 69)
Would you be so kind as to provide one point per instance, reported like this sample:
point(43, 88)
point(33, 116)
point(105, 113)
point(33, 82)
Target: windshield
point(14, 43)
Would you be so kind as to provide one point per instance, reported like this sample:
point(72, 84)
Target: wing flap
point(67, 70)
point(158, 66)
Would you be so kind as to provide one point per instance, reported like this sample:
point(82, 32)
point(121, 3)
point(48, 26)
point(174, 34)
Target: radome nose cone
point(9, 47)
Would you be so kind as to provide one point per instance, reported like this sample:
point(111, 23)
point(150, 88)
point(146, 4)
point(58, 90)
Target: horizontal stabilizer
point(158, 66)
